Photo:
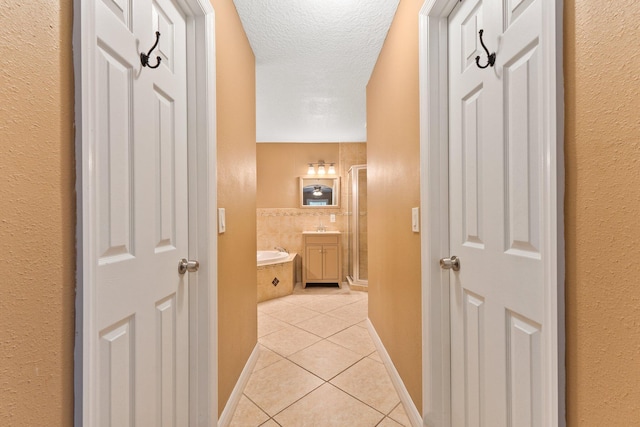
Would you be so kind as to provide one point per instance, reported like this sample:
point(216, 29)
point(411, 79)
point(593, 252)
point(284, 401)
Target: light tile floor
point(318, 365)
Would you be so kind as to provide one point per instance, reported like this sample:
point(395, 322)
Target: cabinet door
point(314, 263)
point(331, 262)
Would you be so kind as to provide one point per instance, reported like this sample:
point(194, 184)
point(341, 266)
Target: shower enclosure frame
point(353, 202)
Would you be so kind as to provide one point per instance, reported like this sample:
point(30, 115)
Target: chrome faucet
point(280, 249)
point(321, 227)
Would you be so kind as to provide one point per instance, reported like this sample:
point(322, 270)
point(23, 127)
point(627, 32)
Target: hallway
point(318, 365)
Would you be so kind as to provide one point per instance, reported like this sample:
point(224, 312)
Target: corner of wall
point(393, 158)
point(236, 174)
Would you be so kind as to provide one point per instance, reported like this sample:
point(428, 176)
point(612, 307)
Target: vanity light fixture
point(322, 170)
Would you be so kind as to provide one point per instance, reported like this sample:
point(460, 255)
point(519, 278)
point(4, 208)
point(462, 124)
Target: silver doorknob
point(452, 263)
point(190, 266)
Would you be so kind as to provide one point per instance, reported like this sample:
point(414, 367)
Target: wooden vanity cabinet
point(322, 261)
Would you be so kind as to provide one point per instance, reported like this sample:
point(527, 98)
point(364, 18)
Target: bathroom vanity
point(322, 257)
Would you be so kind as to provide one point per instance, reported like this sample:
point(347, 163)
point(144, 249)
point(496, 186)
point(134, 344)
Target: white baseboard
point(236, 394)
point(405, 398)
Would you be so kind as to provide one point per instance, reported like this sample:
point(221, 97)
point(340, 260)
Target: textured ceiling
point(313, 62)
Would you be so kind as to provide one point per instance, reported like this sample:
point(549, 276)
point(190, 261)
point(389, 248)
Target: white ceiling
point(313, 61)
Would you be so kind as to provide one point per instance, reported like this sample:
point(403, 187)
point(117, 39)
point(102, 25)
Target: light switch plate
point(222, 221)
point(332, 218)
point(415, 220)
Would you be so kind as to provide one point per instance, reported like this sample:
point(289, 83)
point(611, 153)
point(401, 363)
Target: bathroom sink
point(322, 232)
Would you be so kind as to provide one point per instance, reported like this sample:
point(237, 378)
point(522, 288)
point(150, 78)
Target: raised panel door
point(331, 263)
point(495, 166)
point(140, 367)
point(314, 263)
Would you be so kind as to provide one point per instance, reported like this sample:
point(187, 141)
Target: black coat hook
point(144, 57)
point(491, 57)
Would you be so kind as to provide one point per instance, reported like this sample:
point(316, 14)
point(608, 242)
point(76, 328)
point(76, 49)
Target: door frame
point(202, 188)
point(434, 196)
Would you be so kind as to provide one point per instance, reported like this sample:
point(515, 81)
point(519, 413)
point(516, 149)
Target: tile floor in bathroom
point(318, 365)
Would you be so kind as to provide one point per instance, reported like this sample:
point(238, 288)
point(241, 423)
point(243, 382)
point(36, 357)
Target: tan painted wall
point(602, 148)
point(237, 292)
point(37, 214)
point(279, 217)
point(393, 174)
point(279, 166)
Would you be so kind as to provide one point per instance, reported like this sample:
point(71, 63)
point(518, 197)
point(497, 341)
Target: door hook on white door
point(144, 57)
point(491, 57)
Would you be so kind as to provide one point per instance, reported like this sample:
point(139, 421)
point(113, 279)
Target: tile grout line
point(385, 415)
point(351, 323)
point(313, 333)
point(325, 382)
point(309, 332)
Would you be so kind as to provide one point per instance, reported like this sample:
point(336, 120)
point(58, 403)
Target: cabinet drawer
point(322, 239)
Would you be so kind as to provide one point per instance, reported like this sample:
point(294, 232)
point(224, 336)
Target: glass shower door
point(362, 245)
point(357, 211)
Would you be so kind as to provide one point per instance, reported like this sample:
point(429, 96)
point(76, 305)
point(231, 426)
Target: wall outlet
point(332, 218)
point(222, 221)
point(415, 220)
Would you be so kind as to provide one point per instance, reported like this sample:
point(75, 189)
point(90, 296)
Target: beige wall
point(280, 165)
point(602, 149)
point(237, 291)
point(393, 175)
point(37, 214)
point(280, 219)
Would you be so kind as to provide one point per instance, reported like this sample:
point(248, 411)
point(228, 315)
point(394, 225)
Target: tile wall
point(276, 280)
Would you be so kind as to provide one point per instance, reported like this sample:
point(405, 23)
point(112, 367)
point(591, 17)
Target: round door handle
point(452, 263)
point(188, 265)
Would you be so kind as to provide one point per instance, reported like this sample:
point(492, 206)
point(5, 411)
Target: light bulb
point(311, 170)
point(321, 170)
point(332, 169)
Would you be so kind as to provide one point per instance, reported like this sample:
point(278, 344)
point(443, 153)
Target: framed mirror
point(318, 192)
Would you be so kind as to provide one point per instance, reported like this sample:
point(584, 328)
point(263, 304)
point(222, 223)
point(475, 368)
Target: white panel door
point(139, 338)
point(496, 230)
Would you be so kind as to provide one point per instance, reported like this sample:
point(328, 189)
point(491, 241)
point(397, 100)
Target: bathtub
point(276, 274)
point(271, 257)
